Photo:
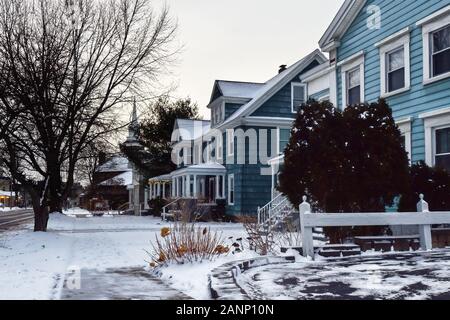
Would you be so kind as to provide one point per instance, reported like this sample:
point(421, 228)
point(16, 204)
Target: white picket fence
point(422, 218)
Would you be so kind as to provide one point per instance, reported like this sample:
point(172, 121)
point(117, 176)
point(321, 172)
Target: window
point(436, 45)
point(440, 57)
point(230, 142)
point(352, 72)
point(437, 127)
point(405, 128)
point(353, 87)
point(231, 189)
point(442, 154)
point(284, 137)
point(298, 96)
point(395, 63)
point(395, 70)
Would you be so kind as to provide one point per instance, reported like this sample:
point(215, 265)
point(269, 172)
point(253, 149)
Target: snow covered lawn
point(397, 276)
point(33, 265)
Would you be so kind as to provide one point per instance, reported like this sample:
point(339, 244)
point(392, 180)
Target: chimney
point(282, 68)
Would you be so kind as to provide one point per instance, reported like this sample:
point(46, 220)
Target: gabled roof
point(115, 164)
point(235, 89)
point(274, 85)
point(123, 179)
point(191, 129)
point(340, 24)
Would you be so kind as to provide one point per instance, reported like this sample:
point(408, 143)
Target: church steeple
point(133, 128)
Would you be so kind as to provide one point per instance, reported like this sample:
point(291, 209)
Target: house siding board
point(231, 108)
point(320, 94)
point(395, 16)
point(279, 105)
point(252, 190)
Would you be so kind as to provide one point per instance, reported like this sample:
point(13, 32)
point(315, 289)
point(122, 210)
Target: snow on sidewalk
point(33, 265)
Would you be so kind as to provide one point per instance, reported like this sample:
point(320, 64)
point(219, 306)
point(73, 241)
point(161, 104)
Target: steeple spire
point(133, 128)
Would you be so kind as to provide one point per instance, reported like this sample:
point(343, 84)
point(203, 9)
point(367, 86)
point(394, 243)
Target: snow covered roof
point(116, 164)
point(123, 179)
point(237, 89)
point(191, 129)
point(5, 193)
point(273, 85)
point(164, 177)
point(210, 168)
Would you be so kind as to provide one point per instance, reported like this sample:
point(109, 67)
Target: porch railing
point(277, 209)
point(167, 206)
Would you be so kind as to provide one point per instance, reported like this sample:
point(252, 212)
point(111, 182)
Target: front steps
point(331, 251)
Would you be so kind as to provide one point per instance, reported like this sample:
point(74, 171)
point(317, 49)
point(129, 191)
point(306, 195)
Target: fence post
point(306, 232)
point(426, 242)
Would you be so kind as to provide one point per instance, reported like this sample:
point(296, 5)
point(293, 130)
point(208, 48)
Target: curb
point(223, 281)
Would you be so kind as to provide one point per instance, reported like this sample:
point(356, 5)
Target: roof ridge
point(237, 81)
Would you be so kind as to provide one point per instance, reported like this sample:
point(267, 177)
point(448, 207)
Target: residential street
point(9, 219)
point(99, 258)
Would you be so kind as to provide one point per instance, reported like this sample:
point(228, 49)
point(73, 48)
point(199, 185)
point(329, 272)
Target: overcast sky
point(243, 40)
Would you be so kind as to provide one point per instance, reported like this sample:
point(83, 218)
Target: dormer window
point(217, 114)
point(298, 96)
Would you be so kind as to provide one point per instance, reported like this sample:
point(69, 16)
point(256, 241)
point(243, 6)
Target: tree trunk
point(55, 192)
point(40, 216)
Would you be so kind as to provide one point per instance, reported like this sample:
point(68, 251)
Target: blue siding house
point(231, 157)
point(398, 50)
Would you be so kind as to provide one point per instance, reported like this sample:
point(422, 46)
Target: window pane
point(441, 39)
point(298, 96)
point(396, 59)
point(396, 80)
point(441, 63)
point(403, 141)
point(354, 96)
point(443, 162)
point(443, 141)
point(353, 78)
point(299, 93)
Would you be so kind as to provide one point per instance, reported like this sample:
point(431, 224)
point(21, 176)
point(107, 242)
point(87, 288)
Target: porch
point(204, 182)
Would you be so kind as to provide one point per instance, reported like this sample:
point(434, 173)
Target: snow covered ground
point(390, 276)
point(33, 265)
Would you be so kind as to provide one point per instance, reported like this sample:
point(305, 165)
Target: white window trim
point(231, 177)
point(278, 140)
point(351, 64)
point(230, 142)
point(389, 45)
point(405, 126)
point(433, 122)
point(447, 126)
point(435, 22)
point(305, 98)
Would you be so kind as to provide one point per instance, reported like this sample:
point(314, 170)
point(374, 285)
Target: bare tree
point(67, 69)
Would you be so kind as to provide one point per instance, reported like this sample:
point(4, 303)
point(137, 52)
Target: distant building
point(110, 188)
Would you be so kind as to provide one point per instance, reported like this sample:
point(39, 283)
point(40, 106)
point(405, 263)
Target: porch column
point(146, 194)
point(195, 186)
point(172, 193)
point(217, 187)
point(188, 186)
point(150, 190)
point(223, 187)
point(164, 190)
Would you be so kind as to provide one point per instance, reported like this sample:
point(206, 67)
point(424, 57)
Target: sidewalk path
point(119, 284)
